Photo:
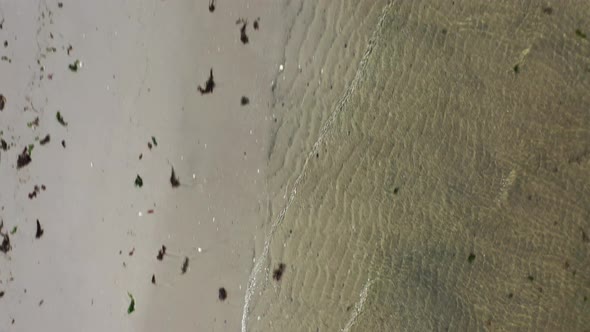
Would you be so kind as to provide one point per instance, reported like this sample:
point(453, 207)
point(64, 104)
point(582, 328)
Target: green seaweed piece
point(131, 307)
point(138, 181)
point(60, 119)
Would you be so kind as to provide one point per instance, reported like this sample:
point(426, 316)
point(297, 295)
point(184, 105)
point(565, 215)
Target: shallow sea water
point(430, 169)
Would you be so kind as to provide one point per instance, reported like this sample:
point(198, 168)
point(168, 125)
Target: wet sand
point(141, 65)
point(430, 171)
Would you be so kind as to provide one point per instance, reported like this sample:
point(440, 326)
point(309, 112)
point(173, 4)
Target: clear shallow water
point(430, 170)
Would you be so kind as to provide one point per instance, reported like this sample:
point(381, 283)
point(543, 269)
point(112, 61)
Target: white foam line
point(358, 307)
point(252, 280)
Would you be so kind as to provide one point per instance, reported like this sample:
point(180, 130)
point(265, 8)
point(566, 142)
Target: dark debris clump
point(184, 266)
point(45, 140)
point(23, 159)
point(138, 181)
point(39, 231)
point(174, 181)
point(60, 119)
point(243, 36)
point(209, 85)
point(222, 294)
point(5, 246)
point(277, 274)
point(244, 101)
point(161, 253)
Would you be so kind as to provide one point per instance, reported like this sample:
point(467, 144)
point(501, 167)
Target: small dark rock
point(184, 266)
point(2, 102)
point(161, 253)
point(153, 279)
point(244, 101)
point(63, 143)
point(277, 274)
point(174, 181)
point(256, 24)
point(222, 294)
point(39, 231)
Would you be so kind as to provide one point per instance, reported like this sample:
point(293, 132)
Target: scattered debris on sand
point(36, 191)
point(33, 124)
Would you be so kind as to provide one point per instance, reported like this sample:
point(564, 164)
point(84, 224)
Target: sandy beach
point(294, 165)
point(131, 107)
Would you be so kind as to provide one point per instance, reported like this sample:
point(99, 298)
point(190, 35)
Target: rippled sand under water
point(430, 169)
